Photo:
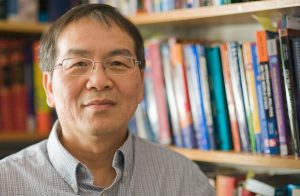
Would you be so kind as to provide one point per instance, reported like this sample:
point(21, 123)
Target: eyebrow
point(85, 53)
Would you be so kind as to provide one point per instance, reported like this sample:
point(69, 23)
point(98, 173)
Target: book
point(43, 112)
point(155, 60)
point(260, 145)
point(232, 48)
point(195, 95)
point(6, 96)
point(277, 87)
point(271, 137)
point(246, 102)
point(181, 92)
point(230, 100)
point(200, 54)
point(285, 35)
point(271, 185)
point(218, 98)
point(253, 101)
point(171, 98)
point(227, 184)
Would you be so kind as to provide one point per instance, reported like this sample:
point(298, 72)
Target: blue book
point(260, 146)
point(218, 97)
point(195, 95)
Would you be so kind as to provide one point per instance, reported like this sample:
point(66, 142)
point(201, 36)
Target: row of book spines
point(256, 126)
point(22, 99)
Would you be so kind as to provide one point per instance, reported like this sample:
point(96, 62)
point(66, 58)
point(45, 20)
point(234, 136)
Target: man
point(92, 60)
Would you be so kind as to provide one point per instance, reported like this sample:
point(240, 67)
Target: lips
point(100, 104)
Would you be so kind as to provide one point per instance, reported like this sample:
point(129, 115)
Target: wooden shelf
point(19, 27)
point(246, 159)
point(21, 137)
point(231, 13)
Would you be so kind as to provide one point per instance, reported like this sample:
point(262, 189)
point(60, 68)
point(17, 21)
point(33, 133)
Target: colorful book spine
point(230, 100)
point(253, 103)
point(159, 91)
point(218, 98)
point(271, 137)
point(276, 81)
point(171, 98)
point(5, 88)
point(238, 95)
point(199, 50)
point(285, 35)
point(195, 95)
point(42, 111)
point(244, 86)
point(181, 93)
point(296, 60)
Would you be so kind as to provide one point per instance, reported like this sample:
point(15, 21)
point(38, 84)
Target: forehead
point(93, 36)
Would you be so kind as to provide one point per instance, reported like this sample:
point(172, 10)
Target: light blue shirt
point(142, 168)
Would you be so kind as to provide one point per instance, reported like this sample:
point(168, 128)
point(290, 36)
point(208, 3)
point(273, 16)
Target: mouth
point(103, 104)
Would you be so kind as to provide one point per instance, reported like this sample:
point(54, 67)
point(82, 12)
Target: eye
point(118, 62)
point(80, 63)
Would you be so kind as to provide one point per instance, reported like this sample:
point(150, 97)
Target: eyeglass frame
point(135, 61)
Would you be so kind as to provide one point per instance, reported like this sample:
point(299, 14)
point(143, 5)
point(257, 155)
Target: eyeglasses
point(116, 65)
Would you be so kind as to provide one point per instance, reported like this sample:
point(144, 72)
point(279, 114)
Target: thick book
point(271, 185)
point(230, 99)
point(285, 36)
point(155, 60)
point(171, 98)
point(246, 102)
point(277, 87)
point(271, 137)
point(261, 146)
point(181, 92)
point(199, 51)
point(232, 48)
point(218, 97)
point(253, 102)
point(195, 95)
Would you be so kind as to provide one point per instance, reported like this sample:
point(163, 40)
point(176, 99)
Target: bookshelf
point(209, 17)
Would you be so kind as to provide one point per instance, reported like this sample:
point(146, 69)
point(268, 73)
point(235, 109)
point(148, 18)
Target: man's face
point(96, 104)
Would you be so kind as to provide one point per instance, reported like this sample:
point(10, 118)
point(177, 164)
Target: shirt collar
point(67, 166)
point(61, 159)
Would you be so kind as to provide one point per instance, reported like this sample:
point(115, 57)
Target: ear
point(141, 93)
point(47, 84)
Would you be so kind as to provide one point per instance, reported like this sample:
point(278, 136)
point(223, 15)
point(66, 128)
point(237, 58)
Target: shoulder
point(169, 169)
point(162, 158)
point(31, 156)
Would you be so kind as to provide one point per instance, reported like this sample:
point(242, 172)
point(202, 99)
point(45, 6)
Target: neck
point(96, 152)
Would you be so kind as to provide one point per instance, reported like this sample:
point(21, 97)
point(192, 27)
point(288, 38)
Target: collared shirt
point(142, 168)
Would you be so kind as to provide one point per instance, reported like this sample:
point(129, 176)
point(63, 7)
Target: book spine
point(277, 93)
point(194, 89)
point(253, 104)
point(42, 111)
point(244, 86)
point(160, 93)
point(218, 98)
point(5, 88)
point(289, 86)
point(206, 98)
point(271, 137)
point(171, 99)
point(296, 60)
point(181, 93)
point(238, 96)
point(230, 100)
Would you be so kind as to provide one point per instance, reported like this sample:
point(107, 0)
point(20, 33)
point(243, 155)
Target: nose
point(98, 78)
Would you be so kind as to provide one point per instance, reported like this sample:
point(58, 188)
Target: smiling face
point(96, 104)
